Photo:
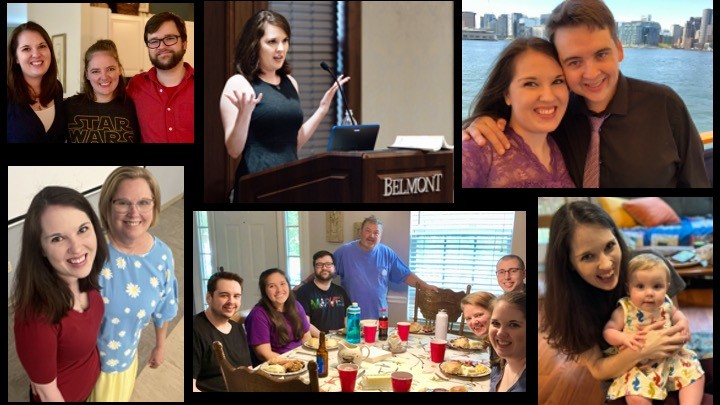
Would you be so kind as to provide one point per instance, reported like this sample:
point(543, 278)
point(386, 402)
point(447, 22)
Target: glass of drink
point(437, 350)
point(401, 381)
point(403, 330)
point(369, 330)
point(348, 375)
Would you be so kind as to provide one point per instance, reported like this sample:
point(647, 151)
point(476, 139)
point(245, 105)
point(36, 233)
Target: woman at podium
point(260, 106)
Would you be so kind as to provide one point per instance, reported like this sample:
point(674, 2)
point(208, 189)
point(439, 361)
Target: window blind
point(451, 249)
point(314, 28)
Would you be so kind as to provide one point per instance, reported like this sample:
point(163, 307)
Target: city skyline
point(665, 12)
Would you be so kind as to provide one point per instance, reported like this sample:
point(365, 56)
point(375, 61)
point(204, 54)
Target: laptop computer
point(353, 137)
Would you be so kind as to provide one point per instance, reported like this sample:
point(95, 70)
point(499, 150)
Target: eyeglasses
point(123, 206)
point(512, 271)
point(168, 41)
point(324, 265)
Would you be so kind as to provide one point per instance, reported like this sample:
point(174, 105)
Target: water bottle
point(441, 325)
point(353, 324)
point(348, 119)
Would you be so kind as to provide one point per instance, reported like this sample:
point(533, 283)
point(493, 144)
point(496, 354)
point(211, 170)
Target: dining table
point(427, 375)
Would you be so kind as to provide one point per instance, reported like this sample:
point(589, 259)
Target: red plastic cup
point(348, 374)
point(437, 350)
point(370, 331)
point(403, 330)
point(401, 381)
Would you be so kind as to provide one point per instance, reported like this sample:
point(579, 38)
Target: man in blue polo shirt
point(366, 266)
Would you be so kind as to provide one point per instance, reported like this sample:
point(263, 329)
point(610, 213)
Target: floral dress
point(135, 289)
point(653, 378)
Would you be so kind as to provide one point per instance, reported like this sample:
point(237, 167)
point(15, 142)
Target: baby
point(648, 281)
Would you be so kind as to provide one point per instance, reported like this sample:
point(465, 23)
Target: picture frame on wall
point(59, 47)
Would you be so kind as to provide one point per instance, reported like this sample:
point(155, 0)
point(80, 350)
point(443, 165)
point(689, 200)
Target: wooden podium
point(385, 176)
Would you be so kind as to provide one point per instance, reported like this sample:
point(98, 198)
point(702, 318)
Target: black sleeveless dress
point(273, 131)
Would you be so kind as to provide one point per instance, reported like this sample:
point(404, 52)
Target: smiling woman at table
point(277, 324)
point(507, 336)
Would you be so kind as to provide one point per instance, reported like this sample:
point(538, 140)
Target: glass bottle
point(353, 324)
point(383, 325)
point(322, 357)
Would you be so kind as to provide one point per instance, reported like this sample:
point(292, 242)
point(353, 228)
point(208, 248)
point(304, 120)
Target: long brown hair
point(575, 311)
point(277, 318)
point(517, 299)
point(103, 45)
point(19, 91)
point(491, 99)
point(247, 50)
point(38, 290)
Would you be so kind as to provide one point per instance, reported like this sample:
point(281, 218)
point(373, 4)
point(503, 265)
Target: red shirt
point(66, 351)
point(166, 114)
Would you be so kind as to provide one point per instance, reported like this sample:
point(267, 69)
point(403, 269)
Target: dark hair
point(277, 319)
point(159, 19)
point(19, 91)
point(39, 290)
point(516, 257)
point(247, 61)
point(567, 294)
point(592, 13)
point(322, 253)
point(516, 299)
point(491, 99)
point(224, 275)
point(103, 45)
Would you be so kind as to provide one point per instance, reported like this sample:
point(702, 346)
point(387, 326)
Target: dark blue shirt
point(24, 126)
point(496, 375)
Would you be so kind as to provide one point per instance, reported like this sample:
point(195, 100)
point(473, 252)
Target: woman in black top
point(34, 94)
point(102, 113)
point(260, 106)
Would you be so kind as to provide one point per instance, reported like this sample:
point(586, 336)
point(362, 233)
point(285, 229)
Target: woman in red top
point(57, 305)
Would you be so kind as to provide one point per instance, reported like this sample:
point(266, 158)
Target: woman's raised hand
point(327, 98)
point(244, 102)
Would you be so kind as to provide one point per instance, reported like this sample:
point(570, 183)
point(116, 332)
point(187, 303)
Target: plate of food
point(465, 344)
point(280, 367)
point(464, 369)
point(417, 328)
point(314, 343)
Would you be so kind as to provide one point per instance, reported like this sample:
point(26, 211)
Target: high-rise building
point(705, 21)
point(468, 19)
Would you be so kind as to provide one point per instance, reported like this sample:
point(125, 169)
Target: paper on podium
point(421, 142)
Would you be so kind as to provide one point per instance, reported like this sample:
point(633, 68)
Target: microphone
point(347, 110)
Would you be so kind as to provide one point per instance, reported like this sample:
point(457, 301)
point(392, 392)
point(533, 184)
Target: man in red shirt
point(164, 96)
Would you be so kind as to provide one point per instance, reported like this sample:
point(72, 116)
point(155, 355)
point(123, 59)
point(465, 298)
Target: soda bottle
point(383, 325)
point(353, 324)
point(322, 357)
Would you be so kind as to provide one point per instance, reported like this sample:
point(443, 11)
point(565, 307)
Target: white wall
point(407, 68)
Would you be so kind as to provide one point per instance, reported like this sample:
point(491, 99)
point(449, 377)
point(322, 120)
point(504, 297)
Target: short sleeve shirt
point(260, 329)
point(365, 275)
point(136, 289)
point(326, 309)
point(206, 369)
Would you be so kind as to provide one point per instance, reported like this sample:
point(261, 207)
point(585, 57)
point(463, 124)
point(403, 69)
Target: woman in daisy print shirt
point(138, 281)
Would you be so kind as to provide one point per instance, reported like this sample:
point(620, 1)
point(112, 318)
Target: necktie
point(591, 178)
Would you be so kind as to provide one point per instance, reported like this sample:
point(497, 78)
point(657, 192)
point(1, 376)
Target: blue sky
point(665, 12)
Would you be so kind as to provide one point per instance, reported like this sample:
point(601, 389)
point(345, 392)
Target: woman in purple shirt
point(526, 87)
point(277, 324)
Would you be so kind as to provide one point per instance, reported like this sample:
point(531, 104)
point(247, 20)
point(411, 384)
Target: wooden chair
point(244, 379)
point(430, 303)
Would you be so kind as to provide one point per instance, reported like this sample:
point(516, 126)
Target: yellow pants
point(115, 387)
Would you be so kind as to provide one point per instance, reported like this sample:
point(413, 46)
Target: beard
point(176, 58)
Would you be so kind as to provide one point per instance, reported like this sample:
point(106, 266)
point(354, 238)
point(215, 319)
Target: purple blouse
point(259, 329)
point(483, 167)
